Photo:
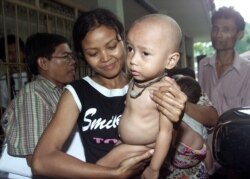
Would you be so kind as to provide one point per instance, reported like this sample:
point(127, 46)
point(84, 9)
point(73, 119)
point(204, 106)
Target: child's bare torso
point(139, 124)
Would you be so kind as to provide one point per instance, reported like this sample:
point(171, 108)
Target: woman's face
point(103, 51)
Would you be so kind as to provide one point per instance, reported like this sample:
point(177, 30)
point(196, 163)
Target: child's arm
point(162, 146)
point(209, 161)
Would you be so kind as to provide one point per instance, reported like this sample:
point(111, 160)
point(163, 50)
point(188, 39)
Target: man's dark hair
point(41, 45)
point(230, 13)
point(92, 19)
point(11, 39)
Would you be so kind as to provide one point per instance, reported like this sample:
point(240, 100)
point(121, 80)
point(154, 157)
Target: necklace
point(134, 94)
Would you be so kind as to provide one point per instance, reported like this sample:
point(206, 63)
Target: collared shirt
point(232, 89)
point(28, 115)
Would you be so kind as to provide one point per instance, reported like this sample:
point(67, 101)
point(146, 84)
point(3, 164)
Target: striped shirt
point(28, 114)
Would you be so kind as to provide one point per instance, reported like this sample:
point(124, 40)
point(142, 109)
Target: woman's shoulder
point(79, 82)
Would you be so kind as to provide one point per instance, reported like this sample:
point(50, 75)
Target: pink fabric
point(186, 157)
point(232, 89)
point(188, 163)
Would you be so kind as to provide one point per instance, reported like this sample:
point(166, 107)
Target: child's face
point(147, 51)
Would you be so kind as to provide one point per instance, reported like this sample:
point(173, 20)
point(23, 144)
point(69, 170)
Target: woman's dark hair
point(41, 45)
point(230, 13)
point(190, 87)
point(92, 19)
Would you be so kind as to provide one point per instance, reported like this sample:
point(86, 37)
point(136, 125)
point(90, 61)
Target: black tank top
point(99, 117)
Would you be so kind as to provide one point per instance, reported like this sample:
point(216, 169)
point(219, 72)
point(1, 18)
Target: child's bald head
point(163, 27)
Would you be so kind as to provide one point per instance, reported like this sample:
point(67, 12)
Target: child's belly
point(138, 132)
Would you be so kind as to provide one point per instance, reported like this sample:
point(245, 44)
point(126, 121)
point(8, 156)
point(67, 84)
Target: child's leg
point(120, 153)
point(209, 161)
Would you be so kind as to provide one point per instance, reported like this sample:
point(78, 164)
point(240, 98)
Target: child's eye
point(129, 49)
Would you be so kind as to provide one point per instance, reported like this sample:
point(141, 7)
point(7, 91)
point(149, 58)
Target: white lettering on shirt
point(92, 124)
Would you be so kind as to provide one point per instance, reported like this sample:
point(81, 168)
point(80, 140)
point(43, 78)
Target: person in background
point(225, 76)
point(15, 51)
point(96, 104)
point(191, 156)
point(16, 67)
point(182, 71)
point(204, 112)
point(12, 77)
point(52, 62)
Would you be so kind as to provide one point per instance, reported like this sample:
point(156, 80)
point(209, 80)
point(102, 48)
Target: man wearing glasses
point(52, 62)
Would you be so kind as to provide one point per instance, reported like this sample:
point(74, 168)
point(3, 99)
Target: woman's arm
point(49, 160)
point(207, 115)
point(172, 101)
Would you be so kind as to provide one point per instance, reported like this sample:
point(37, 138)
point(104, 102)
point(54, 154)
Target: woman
point(96, 103)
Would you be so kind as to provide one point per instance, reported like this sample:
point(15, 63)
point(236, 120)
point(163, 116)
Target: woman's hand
point(133, 165)
point(120, 153)
point(170, 99)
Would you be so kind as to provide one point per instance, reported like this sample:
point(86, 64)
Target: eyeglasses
point(67, 58)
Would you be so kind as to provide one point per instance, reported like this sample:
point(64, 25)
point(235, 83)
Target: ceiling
point(192, 15)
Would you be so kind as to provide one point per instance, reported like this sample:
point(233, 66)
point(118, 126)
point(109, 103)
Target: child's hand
point(148, 173)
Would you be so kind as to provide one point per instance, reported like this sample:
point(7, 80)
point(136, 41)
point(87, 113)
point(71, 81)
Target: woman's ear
point(172, 60)
point(43, 63)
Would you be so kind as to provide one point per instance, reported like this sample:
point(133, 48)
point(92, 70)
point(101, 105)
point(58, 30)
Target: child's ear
point(43, 63)
point(172, 60)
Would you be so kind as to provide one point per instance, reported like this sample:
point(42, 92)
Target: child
point(153, 44)
point(191, 153)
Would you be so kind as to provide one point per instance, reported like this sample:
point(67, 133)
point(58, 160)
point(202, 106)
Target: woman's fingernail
point(151, 151)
